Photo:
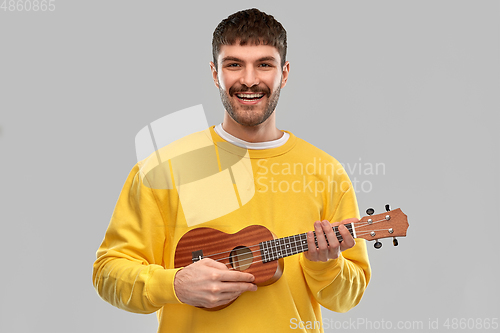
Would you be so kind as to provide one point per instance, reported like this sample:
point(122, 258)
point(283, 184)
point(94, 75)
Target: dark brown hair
point(250, 26)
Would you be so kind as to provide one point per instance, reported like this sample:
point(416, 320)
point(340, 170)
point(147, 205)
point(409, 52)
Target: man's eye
point(232, 65)
point(265, 65)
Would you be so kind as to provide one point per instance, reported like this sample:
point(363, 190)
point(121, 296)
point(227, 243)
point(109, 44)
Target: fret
point(277, 249)
point(266, 256)
point(303, 243)
point(267, 248)
point(286, 242)
point(281, 247)
point(288, 245)
point(293, 244)
point(297, 246)
point(263, 251)
point(270, 248)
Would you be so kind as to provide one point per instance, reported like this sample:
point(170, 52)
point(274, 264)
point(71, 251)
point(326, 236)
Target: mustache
point(241, 89)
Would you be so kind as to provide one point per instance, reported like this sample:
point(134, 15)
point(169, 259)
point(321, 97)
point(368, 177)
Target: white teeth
point(250, 95)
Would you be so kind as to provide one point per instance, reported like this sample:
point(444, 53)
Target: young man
point(279, 181)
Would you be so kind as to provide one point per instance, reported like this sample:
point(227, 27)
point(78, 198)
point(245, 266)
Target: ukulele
point(257, 251)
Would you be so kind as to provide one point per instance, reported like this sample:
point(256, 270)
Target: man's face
point(249, 79)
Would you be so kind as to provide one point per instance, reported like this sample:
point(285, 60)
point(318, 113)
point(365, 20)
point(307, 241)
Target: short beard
point(250, 121)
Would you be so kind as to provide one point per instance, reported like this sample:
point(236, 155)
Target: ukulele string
point(258, 254)
point(230, 267)
point(271, 259)
point(358, 224)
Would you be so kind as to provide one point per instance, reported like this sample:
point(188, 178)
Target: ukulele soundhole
point(241, 258)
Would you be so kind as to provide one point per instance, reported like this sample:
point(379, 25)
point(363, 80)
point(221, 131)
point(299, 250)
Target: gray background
point(410, 84)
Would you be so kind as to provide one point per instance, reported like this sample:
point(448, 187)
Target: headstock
point(392, 223)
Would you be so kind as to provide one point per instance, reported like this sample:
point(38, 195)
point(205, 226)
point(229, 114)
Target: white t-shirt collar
point(250, 145)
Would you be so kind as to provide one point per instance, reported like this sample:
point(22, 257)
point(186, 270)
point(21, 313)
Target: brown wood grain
point(398, 222)
point(217, 245)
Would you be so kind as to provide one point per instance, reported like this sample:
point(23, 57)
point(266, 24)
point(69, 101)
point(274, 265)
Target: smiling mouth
point(249, 97)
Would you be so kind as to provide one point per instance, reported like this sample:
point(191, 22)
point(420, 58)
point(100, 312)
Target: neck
point(267, 131)
point(283, 247)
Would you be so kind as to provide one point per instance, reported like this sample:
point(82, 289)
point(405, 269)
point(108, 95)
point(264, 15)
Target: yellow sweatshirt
point(204, 181)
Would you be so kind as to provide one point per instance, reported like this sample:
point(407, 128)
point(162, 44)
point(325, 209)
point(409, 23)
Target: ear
point(214, 74)
point(284, 75)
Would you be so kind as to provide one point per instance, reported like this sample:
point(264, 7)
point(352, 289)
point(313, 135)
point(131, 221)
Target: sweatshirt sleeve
point(129, 271)
point(339, 284)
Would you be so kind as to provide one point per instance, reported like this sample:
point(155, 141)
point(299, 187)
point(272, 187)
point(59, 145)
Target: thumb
point(212, 263)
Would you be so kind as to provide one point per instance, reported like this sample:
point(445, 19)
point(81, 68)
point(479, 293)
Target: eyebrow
point(230, 58)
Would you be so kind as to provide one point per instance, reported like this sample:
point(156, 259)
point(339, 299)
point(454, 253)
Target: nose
point(249, 77)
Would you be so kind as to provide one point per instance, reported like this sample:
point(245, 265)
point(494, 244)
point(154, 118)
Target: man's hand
point(325, 252)
point(208, 283)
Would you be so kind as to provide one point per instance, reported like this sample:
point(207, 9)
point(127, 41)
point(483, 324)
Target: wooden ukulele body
point(239, 251)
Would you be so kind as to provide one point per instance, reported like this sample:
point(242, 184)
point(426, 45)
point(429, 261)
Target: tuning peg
point(395, 241)
point(370, 211)
point(377, 244)
point(388, 208)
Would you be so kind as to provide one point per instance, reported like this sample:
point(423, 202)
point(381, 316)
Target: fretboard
point(283, 247)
